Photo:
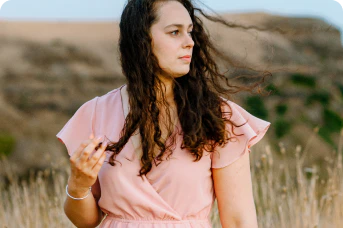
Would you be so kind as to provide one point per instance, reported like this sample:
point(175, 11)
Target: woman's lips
point(188, 59)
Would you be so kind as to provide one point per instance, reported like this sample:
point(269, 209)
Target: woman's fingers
point(98, 165)
point(83, 145)
point(97, 155)
point(89, 149)
point(82, 172)
point(79, 150)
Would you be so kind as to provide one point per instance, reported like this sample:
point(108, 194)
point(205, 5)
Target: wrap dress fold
point(177, 193)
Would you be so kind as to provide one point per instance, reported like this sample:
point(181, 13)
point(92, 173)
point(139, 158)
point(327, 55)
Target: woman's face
point(171, 42)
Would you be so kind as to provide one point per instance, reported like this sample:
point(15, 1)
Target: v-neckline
point(174, 213)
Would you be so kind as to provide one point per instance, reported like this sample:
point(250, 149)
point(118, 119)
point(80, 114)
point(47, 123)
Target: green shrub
point(281, 109)
point(255, 106)
point(7, 143)
point(303, 80)
point(282, 127)
point(273, 89)
point(340, 87)
point(322, 97)
point(325, 133)
point(332, 120)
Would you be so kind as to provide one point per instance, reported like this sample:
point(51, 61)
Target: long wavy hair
point(198, 95)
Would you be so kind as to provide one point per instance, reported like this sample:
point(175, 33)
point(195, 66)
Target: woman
point(186, 158)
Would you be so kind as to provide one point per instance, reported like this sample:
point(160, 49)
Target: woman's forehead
point(173, 12)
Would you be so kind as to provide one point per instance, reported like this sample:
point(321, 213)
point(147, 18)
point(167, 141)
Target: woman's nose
point(189, 41)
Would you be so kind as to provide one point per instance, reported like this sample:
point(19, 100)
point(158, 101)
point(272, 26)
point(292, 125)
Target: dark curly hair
point(198, 95)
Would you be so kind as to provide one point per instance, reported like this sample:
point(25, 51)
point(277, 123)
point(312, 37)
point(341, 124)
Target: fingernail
point(104, 144)
point(99, 137)
point(91, 136)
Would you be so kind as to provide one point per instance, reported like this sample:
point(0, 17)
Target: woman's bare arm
point(233, 190)
point(82, 213)
point(84, 171)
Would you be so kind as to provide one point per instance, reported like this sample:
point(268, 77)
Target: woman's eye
point(175, 31)
point(178, 31)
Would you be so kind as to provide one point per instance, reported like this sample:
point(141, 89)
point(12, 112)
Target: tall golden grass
point(287, 195)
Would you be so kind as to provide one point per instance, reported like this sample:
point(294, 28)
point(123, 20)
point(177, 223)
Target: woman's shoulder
point(102, 101)
point(110, 98)
point(103, 106)
point(98, 115)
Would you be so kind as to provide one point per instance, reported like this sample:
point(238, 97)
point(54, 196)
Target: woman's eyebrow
point(178, 25)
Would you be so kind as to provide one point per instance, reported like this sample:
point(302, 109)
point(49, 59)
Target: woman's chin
point(181, 73)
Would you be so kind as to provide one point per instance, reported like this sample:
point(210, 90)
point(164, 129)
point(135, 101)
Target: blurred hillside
point(48, 70)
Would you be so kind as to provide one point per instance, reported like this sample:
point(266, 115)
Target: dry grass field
point(285, 197)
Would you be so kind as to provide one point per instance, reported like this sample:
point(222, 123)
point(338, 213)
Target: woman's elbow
point(244, 221)
point(90, 222)
point(247, 223)
point(240, 223)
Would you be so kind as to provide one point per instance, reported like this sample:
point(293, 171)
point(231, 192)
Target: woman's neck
point(168, 91)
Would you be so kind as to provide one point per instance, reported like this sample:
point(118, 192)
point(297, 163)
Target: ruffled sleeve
point(79, 127)
point(253, 131)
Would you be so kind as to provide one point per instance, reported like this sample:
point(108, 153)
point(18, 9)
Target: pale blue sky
point(105, 10)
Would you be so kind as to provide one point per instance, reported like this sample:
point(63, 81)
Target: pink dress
point(178, 193)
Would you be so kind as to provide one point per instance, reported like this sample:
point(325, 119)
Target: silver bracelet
point(90, 188)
